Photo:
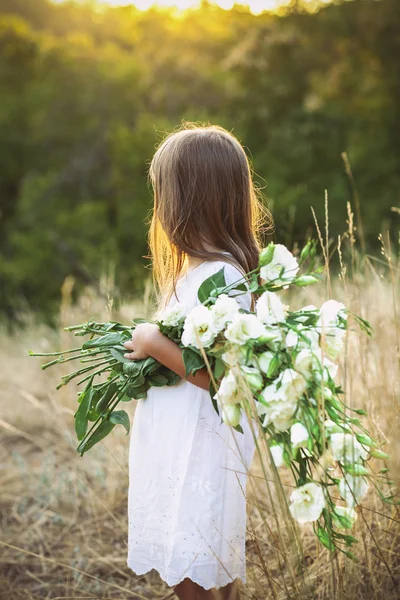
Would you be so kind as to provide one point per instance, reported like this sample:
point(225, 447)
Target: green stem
point(71, 376)
point(99, 371)
point(31, 353)
point(61, 360)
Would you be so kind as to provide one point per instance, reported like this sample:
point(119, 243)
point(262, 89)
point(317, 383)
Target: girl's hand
point(143, 338)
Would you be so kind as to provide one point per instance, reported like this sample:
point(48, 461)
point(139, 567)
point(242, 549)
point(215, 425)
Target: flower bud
point(231, 414)
point(266, 255)
point(254, 378)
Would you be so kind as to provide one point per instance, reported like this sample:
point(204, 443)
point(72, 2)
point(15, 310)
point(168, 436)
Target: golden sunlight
point(256, 6)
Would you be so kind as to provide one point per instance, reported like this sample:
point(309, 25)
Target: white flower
point(277, 454)
point(331, 368)
point(235, 355)
point(224, 310)
point(332, 342)
point(322, 362)
point(270, 309)
point(309, 338)
point(352, 489)
point(292, 384)
point(307, 503)
point(298, 436)
point(199, 330)
point(332, 336)
point(308, 308)
point(228, 391)
point(279, 413)
point(244, 327)
point(264, 360)
point(254, 378)
point(282, 260)
point(175, 315)
point(291, 339)
point(282, 397)
point(304, 362)
point(329, 313)
point(347, 513)
point(272, 335)
point(346, 449)
point(231, 414)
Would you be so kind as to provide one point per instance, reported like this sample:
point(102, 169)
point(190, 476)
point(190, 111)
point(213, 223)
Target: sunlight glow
point(256, 6)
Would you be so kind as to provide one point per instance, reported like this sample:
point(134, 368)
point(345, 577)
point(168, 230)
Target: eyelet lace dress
point(187, 476)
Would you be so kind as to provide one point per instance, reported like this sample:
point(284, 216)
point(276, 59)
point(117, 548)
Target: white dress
point(187, 476)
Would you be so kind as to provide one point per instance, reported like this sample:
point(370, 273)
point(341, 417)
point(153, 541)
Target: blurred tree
point(86, 95)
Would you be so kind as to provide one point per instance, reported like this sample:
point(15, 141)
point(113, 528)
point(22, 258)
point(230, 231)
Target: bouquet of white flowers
point(273, 365)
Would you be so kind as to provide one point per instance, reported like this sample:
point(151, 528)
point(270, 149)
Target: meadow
point(64, 519)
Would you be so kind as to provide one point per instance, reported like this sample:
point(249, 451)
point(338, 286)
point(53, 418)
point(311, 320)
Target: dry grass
point(63, 517)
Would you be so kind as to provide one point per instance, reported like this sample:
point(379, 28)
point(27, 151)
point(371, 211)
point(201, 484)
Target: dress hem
point(171, 582)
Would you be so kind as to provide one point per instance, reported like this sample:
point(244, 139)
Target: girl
point(187, 470)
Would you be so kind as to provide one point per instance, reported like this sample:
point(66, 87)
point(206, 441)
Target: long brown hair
point(203, 193)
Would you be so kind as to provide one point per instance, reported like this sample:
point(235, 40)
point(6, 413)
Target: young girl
point(187, 470)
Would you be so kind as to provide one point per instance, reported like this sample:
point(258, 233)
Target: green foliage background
point(85, 96)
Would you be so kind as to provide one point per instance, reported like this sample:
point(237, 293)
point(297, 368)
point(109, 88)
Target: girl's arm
point(147, 340)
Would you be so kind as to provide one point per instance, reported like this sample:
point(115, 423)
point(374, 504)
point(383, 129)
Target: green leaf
point(215, 281)
point(136, 388)
point(172, 377)
point(212, 391)
point(241, 287)
point(132, 368)
point(149, 365)
point(102, 404)
point(120, 417)
point(325, 538)
point(192, 361)
point(100, 433)
point(219, 368)
point(97, 393)
point(81, 415)
point(238, 428)
point(158, 380)
point(110, 339)
point(119, 355)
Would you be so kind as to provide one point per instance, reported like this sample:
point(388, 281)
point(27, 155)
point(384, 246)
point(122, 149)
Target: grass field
point(63, 517)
